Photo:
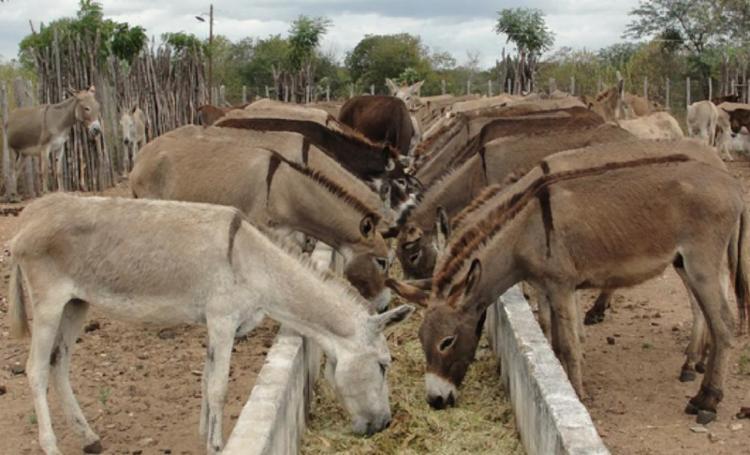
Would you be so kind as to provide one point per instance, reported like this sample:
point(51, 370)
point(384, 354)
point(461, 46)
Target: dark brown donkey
point(533, 231)
point(381, 119)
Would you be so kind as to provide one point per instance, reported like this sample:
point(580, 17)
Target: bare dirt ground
point(635, 398)
point(139, 386)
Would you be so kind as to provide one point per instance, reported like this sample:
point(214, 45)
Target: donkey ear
point(367, 226)
point(392, 86)
point(92, 89)
point(409, 292)
point(442, 230)
point(71, 91)
point(383, 321)
point(472, 278)
point(414, 89)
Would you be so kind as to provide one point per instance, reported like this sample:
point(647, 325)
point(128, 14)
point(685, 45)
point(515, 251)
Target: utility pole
point(211, 47)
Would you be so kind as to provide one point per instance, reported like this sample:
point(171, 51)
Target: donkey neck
point(301, 203)
point(61, 116)
point(314, 303)
point(453, 192)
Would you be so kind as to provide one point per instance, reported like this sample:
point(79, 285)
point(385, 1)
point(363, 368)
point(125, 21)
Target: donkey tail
point(739, 267)
point(19, 324)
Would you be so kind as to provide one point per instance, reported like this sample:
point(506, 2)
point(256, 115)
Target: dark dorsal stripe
point(305, 151)
point(485, 229)
point(273, 165)
point(320, 179)
point(544, 203)
point(234, 226)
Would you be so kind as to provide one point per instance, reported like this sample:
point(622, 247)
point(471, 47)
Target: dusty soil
point(139, 386)
point(634, 397)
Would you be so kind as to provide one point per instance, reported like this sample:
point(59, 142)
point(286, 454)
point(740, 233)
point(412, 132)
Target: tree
point(377, 57)
point(304, 38)
point(526, 29)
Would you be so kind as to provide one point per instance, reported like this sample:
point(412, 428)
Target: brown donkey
point(563, 230)
point(271, 191)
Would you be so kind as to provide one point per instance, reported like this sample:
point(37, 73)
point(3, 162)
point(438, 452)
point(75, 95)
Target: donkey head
point(127, 126)
point(449, 335)
point(418, 250)
point(359, 376)
point(87, 110)
point(406, 93)
point(367, 265)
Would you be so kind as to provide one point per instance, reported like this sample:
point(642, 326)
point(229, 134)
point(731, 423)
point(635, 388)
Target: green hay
point(482, 423)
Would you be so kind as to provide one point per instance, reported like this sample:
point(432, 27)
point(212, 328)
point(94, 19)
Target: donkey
point(409, 94)
point(164, 262)
point(42, 130)
point(563, 229)
point(494, 164)
point(383, 119)
point(209, 114)
point(133, 126)
point(271, 191)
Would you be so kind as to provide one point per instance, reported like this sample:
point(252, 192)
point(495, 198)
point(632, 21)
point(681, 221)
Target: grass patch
point(482, 423)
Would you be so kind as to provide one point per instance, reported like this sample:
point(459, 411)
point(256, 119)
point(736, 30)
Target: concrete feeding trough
point(549, 416)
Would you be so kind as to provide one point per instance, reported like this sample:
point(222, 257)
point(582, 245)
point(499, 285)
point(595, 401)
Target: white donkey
point(167, 262)
point(133, 126)
point(410, 96)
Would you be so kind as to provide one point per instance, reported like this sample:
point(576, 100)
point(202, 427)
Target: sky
point(455, 26)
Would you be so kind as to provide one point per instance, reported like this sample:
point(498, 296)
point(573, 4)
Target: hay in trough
point(481, 423)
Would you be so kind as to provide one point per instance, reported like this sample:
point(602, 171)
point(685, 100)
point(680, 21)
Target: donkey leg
point(73, 318)
point(545, 315)
point(710, 296)
point(693, 350)
point(11, 185)
point(564, 309)
point(45, 327)
point(595, 314)
point(220, 339)
point(60, 153)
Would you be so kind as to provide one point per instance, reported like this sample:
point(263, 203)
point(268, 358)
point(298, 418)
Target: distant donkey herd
point(478, 194)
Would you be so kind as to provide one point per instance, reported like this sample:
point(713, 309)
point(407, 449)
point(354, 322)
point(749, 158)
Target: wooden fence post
point(645, 87)
point(687, 93)
point(552, 85)
point(442, 86)
point(710, 88)
point(510, 86)
point(372, 89)
point(244, 95)
point(599, 86)
point(572, 85)
point(328, 92)
point(351, 90)
point(7, 176)
point(489, 87)
point(666, 95)
point(268, 95)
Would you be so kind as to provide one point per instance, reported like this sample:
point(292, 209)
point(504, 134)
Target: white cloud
point(448, 25)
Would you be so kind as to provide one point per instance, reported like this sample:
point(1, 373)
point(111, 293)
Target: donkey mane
point(485, 195)
point(475, 238)
point(425, 145)
point(322, 180)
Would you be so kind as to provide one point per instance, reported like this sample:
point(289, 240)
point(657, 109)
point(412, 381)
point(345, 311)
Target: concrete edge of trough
point(549, 416)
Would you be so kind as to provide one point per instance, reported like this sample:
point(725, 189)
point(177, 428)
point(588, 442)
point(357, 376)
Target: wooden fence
point(166, 84)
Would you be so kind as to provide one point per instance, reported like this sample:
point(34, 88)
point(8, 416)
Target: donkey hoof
point(700, 367)
point(687, 376)
point(691, 409)
point(705, 417)
point(94, 447)
point(593, 318)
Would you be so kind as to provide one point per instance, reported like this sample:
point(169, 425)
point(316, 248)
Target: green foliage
point(182, 42)
point(377, 57)
point(267, 54)
point(304, 38)
point(89, 26)
point(408, 77)
point(525, 27)
point(127, 42)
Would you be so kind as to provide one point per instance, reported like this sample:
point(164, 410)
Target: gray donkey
point(41, 130)
point(166, 262)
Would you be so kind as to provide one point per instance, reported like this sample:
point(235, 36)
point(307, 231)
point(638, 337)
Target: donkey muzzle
point(95, 128)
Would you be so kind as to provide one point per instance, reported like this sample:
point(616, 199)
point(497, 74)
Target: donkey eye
point(87, 109)
point(446, 343)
